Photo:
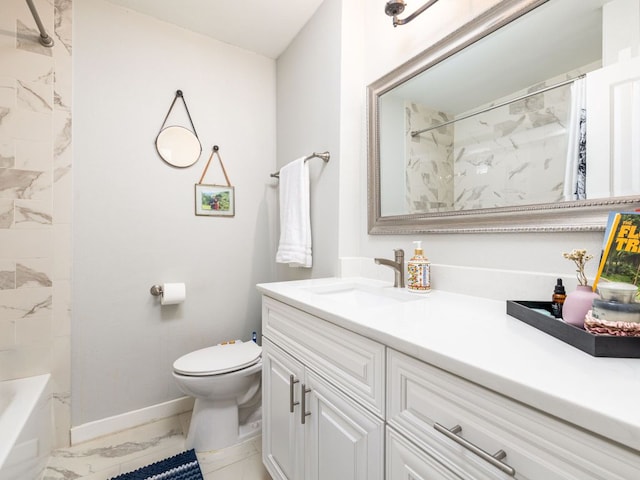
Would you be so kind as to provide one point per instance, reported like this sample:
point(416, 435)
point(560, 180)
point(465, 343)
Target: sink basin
point(364, 296)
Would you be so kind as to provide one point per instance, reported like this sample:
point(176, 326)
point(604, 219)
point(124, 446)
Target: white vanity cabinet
point(425, 404)
point(383, 403)
point(323, 399)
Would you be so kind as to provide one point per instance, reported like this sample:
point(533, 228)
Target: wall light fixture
point(394, 8)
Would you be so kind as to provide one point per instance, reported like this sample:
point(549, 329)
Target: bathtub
point(26, 430)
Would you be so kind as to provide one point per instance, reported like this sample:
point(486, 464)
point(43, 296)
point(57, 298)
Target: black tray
point(596, 345)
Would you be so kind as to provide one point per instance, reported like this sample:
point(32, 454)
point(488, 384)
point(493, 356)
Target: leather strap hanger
point(215, 151)
point(181, 96)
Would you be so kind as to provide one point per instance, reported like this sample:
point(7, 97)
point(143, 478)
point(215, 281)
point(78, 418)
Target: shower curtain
point(576, 165)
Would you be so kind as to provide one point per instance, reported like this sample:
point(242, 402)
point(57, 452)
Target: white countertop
point(475, 339)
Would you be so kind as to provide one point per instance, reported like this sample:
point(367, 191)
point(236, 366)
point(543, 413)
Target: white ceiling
point(262, 26)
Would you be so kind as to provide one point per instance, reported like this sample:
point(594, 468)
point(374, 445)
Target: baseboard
point(124, 421)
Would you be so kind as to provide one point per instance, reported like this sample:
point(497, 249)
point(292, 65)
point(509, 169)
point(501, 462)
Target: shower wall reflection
point(525, 152)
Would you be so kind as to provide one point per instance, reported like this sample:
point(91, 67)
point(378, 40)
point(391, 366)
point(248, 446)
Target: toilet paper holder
point(169, 293)
point(156, 290)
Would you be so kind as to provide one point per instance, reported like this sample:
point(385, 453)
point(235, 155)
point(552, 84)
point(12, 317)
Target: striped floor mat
point(183, 466)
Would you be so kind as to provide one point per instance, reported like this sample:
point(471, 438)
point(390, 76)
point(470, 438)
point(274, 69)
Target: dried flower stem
point(580, 258)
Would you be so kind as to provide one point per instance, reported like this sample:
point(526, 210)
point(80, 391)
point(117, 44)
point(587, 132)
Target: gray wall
point(134, 222)
point(308, 113)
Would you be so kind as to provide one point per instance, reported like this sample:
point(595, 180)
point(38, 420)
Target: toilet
point(225, 381)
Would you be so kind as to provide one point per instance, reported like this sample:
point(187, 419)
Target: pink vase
point(577, 304)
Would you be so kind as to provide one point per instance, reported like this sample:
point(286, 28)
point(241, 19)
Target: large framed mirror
point(524, 119)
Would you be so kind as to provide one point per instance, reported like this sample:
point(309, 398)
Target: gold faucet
point(397, 265)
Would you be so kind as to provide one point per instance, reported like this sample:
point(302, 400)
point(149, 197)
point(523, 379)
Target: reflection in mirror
point(515, 152)
point(178, 146)
point(498, 136)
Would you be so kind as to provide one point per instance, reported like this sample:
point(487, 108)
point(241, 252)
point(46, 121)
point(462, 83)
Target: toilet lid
point(218, 359)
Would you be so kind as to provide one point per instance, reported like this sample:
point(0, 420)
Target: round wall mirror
point(178, 146)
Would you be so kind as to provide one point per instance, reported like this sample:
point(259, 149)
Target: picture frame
point(215, 200)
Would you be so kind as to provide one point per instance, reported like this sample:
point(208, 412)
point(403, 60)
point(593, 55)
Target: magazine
point(620, 260)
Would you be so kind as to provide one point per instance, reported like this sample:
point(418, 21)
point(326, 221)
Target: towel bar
point(323, 155)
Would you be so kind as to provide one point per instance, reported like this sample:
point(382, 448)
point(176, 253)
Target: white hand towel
point(295, 222)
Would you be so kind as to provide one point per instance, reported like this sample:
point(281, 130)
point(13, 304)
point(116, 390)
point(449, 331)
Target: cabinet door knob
point(492, 459)
point(303, 407)
point(292, 404)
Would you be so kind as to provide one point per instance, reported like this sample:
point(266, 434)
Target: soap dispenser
point(419, 271)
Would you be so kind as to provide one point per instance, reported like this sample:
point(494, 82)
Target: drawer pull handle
point(292, 404)
point(492, 459)
point(303, 407)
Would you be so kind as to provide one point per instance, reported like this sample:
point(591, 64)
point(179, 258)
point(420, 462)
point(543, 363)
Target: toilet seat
point(219, 359)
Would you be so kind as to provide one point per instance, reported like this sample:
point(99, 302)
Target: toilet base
point(252, 426)
point(214, 425)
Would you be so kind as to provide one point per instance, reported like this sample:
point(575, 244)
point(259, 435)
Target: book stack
point(620, 260)
point(618, 312)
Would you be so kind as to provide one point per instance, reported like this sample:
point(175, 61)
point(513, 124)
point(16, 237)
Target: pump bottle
point(419, 271)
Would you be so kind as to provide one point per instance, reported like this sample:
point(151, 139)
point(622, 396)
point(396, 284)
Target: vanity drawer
point(537, 446)
point(351, 361)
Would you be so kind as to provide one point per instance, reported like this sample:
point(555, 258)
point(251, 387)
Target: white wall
point(35, 199)
point(134, 222)
point(497, 265)
point(393, 178)
point(484, 258)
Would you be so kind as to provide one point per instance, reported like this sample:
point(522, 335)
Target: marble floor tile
point(106, 457)
point(211, 462)
point(248, 469)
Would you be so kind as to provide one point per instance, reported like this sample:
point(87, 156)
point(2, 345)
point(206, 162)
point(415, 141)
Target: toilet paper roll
point(173, 293)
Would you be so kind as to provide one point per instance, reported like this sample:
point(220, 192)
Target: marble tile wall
point(35, 198)
point(429, 170)
point(512, 155)
point(515, 154)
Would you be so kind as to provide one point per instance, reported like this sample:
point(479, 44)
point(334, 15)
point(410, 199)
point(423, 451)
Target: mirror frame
point(174, 163)
point(578, 215)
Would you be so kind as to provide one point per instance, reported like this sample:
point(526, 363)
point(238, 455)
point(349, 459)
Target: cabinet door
point(343, 441)
point(405, 461)
point(282, 434)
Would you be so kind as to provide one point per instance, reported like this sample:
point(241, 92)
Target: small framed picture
point(215, 200)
